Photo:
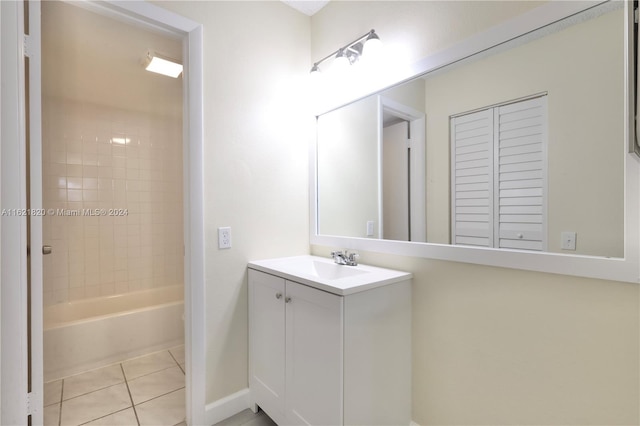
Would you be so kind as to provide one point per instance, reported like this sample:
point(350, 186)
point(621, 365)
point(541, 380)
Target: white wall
point(350, 147)
point(348, 185)
point(256, 136)
point(492, 345)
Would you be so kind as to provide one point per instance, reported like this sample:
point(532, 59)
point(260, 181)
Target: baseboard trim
point(226, 407)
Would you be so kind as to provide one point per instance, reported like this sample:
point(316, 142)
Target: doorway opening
point(402, 172)
point(22, 379)
point(113, 291)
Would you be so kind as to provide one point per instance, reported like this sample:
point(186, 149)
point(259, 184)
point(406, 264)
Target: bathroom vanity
point(329, 344)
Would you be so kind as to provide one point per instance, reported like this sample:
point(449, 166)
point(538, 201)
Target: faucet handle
point(352, 257)
point(336, 253)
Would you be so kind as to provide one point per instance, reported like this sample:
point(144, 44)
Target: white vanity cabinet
point(320, 358)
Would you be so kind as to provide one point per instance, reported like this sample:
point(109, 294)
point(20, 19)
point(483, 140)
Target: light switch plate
point(369, 228)
point(568, 240)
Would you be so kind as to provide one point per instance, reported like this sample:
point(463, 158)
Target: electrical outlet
point(224, 237)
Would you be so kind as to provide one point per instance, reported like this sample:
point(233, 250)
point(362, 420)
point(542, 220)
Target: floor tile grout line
point(120, 364)
point(106, 415)
point(146, 374)
point(94, 369)
point(94, 419)
point(160, 396)
point(125, 381)
point(94, 390)
point(135, 412)
point(61, 401)
point(182, 386)
point(176, 361)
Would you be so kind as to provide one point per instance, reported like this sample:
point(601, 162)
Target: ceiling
point(308, 7)
point(87, 57)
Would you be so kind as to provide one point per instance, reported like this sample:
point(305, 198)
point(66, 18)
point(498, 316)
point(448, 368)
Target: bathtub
point(91, 333)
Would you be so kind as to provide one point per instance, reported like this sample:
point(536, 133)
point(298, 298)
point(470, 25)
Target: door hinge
point(26, 45)
point(635, 15)
point(32, 403)
point(29, 403)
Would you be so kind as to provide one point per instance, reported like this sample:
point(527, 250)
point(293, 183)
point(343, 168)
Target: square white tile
point(156, 384)
point(95, 405)
point(167, 410)
point(52, 392)
point(147, 364)
point(93, 380)
point(121, 418)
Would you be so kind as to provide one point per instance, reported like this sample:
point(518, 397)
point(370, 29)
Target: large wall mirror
point(519, 147)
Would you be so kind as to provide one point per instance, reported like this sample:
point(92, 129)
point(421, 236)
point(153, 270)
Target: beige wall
point(586, 127)
point(256, 138)
point(492, 345)
point(507, 347)
point(410, 94)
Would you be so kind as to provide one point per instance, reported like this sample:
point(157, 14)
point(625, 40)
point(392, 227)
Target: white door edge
point(13, 254)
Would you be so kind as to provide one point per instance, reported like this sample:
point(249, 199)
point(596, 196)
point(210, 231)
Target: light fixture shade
point(341, 62)
point(162, 65)
point(372, 46)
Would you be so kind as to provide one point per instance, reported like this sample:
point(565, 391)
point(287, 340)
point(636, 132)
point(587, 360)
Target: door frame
point(418, 164)
point(13, 368)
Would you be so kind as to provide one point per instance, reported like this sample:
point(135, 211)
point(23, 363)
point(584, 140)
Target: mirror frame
point(618, 269)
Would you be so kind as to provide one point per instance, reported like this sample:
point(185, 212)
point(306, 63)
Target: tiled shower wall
point(112, 193)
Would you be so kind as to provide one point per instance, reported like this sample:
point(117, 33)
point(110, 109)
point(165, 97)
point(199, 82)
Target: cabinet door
point(314, 356)
point(267, 342)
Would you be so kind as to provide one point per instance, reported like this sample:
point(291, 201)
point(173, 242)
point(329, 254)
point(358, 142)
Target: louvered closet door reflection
point(472, 179)
point(520, 174)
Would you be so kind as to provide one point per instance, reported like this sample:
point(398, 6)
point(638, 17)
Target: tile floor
point(147, 390)
point(247, 418)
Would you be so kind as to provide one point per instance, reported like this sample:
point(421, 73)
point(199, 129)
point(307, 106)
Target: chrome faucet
point(346, 258)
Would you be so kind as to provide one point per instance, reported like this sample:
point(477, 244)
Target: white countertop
point(322, 273)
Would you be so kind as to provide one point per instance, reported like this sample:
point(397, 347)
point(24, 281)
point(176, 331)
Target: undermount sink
point(324, 274)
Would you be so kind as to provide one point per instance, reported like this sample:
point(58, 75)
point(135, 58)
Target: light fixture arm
point(347, 48)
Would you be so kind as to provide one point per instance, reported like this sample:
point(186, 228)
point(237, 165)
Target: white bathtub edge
point(226, 407)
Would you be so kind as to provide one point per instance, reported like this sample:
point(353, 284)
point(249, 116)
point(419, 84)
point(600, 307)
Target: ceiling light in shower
point(162, 65)
point(120, 140)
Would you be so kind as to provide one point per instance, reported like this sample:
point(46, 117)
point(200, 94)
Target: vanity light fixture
point(162, 65)
point(364, 45)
